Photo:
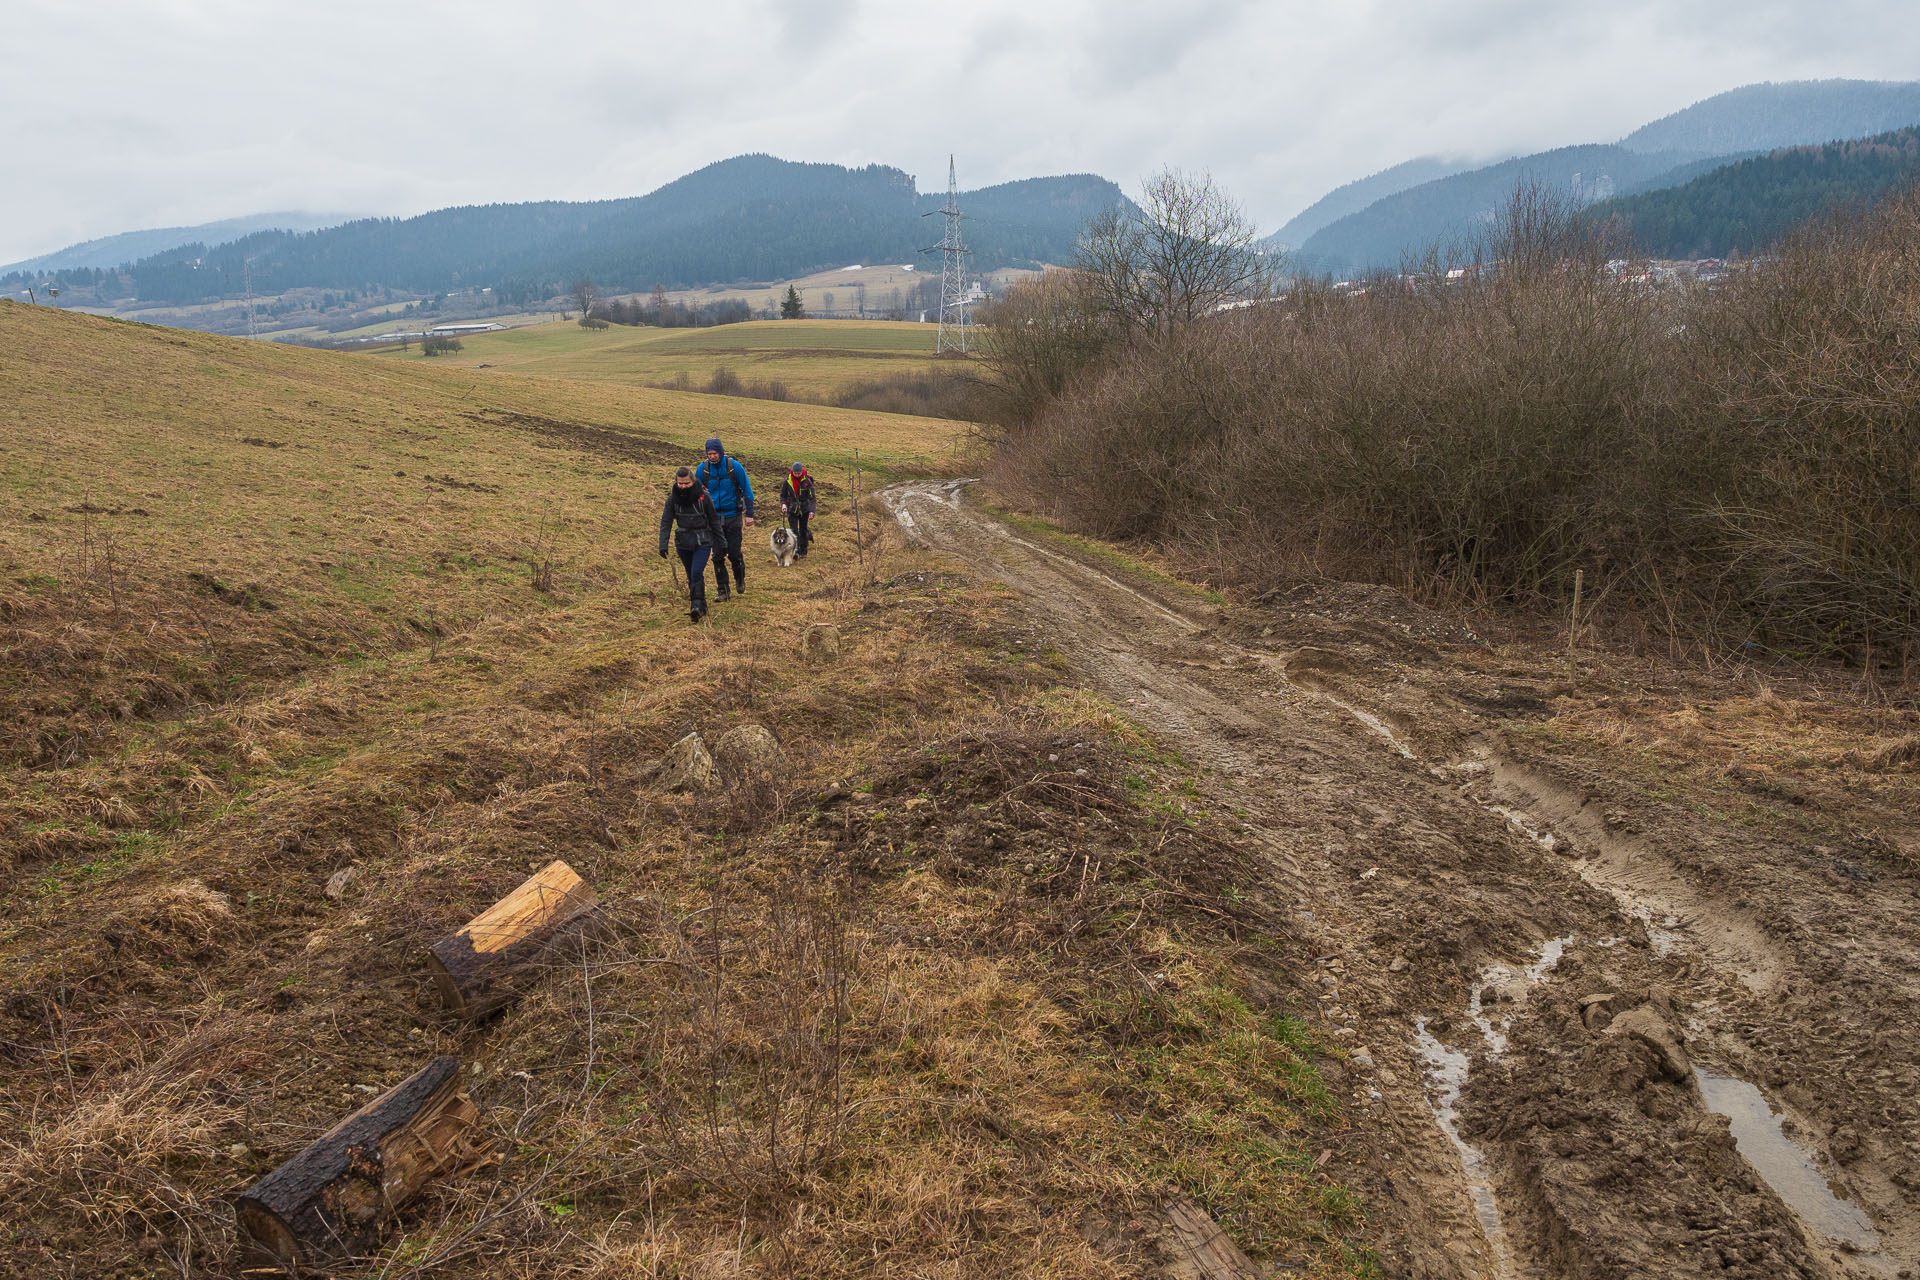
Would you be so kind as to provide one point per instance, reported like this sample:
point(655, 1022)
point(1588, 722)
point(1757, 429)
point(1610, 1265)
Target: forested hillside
point(131, 246)
point(1764, 117)
point(752, 217)
point(1358, 194)
point(1749, 205)
point(1452, 212)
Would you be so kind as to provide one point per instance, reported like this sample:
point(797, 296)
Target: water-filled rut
point(1538, 1008)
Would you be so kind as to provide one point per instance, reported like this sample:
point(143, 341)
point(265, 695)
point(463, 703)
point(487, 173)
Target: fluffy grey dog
point(784, 547)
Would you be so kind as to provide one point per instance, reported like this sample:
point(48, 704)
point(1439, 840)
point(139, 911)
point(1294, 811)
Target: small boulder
point(746, 750)
point(823, 642)
point(340, 881)
point(685, 767)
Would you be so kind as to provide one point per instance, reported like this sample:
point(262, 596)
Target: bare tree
point(584, 296)
point(1187, 248)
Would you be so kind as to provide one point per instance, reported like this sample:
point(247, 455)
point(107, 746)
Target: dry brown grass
point(902, 1055)
point(135, 1149)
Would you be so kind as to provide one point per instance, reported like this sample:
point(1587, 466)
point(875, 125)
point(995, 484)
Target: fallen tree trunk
point(333, 1200)
point(474, 967)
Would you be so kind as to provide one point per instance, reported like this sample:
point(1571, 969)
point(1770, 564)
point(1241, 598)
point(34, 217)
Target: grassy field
point(882, 284)
point(275, 620)
point(814, 358)
point(396, 320)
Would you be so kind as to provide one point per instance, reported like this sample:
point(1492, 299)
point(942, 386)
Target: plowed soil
point(1553, 898)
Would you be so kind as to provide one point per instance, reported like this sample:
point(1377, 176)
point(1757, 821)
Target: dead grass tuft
point(135, 1147)
point(191, 911)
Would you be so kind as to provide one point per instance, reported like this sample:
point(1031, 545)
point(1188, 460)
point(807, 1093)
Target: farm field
point(812, 358)
point(305, 658)
point(880, 282)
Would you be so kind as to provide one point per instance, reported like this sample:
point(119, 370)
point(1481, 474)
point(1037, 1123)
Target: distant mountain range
point(1750, 204)
point(1768, 116)
point(131, 246)
point(753, 217)
point(1358, 194)
point(1450, 211)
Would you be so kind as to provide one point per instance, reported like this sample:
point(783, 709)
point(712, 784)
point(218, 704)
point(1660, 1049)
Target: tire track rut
point(1524, 1028)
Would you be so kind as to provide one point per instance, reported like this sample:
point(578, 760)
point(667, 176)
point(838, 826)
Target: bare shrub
point(743, 1085)
point(1816, 353)
point(937, 393)
point(1035, 340)
point(1737, 459)
point(1158, 266)
point(725, 382)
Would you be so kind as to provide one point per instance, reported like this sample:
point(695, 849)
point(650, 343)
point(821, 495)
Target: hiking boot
point(723, 595)
point(740, 587)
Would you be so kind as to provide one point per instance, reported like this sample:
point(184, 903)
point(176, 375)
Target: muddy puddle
point(1446, 1075)
point(1676, 916)
point(1499, 993)
point(1760, 1137)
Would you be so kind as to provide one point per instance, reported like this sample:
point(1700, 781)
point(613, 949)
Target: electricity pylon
point(955, 324)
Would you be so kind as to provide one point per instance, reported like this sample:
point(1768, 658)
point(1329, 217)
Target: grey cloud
point(153, 112)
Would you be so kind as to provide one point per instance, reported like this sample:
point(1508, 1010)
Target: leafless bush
point(937, 393)
point(1816, 355)
point(725, 382)
point(1036, 340)
point(744, 1087)
point(1736, 459)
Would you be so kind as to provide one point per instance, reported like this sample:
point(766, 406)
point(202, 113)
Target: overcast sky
point(126, 114)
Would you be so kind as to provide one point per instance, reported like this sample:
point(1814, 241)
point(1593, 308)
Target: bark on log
point(333, 1200)
point(474, 967)
point(1200, 1249)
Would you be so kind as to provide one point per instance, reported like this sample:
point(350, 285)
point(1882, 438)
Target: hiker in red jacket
point(796, 499)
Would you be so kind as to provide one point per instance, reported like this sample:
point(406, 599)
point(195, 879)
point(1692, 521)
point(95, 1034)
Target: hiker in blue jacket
point(732, 493)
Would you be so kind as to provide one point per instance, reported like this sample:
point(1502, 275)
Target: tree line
point(1746, 206)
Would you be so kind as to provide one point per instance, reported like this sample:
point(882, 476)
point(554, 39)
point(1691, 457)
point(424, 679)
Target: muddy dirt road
point(1588, 1037)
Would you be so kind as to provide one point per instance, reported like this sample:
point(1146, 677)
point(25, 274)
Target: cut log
point(475, 966)
point(334, 1199)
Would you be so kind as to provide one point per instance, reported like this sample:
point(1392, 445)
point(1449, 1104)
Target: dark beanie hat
point(714, 444)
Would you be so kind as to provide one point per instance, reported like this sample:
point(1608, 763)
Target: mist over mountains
point(131, 246)
point(1451, 210)
point(757, 218)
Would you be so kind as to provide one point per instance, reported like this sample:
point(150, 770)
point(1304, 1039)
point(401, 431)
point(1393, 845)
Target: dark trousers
point(730, 531)
point(802, 537)
point(696, 563)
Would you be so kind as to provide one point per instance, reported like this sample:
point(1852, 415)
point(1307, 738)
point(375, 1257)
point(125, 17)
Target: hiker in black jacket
point(689, 506)
point(796, 499)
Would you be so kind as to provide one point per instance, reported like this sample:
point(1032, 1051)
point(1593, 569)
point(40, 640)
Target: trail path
point(1532, 987)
